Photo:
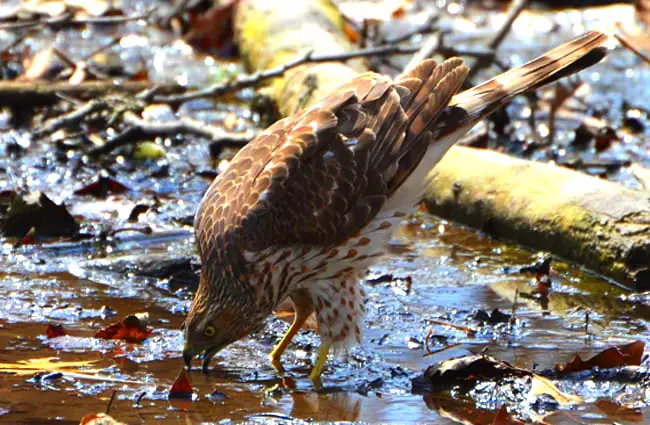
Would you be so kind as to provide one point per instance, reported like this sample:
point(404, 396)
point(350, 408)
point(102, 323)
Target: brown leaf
point(43, 65)
point(54, 331)
point(99, 419)
point(212, 28)
point(132, 329)
point(624, 355)
point(35, 210)
point(477, 367)
point(503, 418)
point(615, 410)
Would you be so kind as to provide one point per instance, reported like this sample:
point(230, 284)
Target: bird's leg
point(303, 307)
point(320, 364)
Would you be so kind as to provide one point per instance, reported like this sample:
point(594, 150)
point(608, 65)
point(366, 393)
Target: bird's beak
point(187, 357)
point(207, 356)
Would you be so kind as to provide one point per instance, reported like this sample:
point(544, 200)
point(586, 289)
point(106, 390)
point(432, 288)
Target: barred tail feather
point(564, 60)
point(436, 120)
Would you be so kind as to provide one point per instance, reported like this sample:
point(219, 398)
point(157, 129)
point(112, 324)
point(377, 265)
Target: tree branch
point(251, 80)
point(139, 129)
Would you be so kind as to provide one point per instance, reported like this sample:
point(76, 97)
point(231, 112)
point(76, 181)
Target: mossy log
point(599, 224)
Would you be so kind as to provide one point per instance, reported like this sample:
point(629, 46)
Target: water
point(454, 272)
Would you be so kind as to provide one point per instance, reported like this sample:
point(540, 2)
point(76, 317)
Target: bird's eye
point(209, 330)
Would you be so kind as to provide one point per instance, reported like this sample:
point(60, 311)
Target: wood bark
point(596, 223)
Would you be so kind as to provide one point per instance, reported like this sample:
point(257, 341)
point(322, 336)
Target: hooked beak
point(207, 356)
point(187, 358)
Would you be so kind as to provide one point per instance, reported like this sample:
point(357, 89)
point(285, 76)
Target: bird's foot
point(317, 371)
point(277, 364)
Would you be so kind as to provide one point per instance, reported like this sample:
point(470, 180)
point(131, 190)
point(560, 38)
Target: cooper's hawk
point(305, 208)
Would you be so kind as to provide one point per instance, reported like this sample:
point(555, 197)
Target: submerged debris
point(470, 371)
point(35, 210)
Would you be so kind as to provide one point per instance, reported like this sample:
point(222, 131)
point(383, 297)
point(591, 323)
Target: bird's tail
point(436, 120)
point(564, 60)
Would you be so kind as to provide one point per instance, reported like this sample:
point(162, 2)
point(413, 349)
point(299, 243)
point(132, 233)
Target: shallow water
point(454, 272)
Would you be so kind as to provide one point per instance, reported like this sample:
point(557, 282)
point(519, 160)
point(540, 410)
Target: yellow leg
point(303, 307)
point(320, 364)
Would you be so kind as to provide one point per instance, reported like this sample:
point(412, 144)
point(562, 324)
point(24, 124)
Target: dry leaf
point(541, 385)
point(624, 355)
point(473, 368)
point(503, 418)
point(99, 419)
point(42, 65)
point(132, 329)
point(54, 331)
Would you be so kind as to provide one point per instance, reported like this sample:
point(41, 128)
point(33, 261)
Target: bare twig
point(628, 45)
point(110, 402)
point(252, 80)
point(513, 315)
point(495, 41)
point(66, 20)
point(563, 92)
point(469, 331)
point(71, 118)
point(26, 93)
point(139, 129)
point(184, 125)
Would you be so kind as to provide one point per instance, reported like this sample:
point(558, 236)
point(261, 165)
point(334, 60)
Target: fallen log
point(599, 224)
point(594, 222)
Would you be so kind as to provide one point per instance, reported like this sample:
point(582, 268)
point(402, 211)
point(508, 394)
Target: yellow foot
point(303, 308)
point(317, 371)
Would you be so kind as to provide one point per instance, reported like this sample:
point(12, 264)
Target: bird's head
point(223, 311)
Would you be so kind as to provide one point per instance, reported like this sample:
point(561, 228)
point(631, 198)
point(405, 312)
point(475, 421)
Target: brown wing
point(318, 177)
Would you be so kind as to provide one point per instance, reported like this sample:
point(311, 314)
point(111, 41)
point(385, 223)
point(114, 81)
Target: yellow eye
point(209, 330)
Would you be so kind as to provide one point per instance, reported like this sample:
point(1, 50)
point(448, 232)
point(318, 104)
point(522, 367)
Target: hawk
point(304, 209)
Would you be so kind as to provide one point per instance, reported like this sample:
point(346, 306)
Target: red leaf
point(131, 329)
point(623, 355)
point(503, 418)
point(54, 331)
point(212, 28)
point(28, 239)
point(102, 187)
point(182, 388)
